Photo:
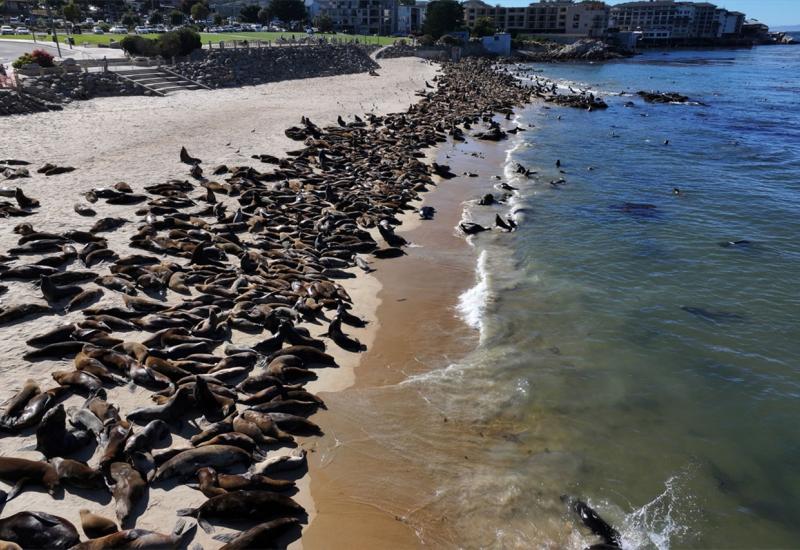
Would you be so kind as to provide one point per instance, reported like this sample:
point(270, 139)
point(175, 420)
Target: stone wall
point(242, 66)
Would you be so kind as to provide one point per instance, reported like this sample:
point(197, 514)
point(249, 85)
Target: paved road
point(12, 49)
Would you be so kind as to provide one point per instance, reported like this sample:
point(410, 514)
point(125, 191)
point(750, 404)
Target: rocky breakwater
point(582, 50)
point(250, 66)
point(215, 301)
point(49, 92)
point(406, 50)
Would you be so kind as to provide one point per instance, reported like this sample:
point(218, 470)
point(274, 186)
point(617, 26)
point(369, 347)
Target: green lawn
point(93, 39)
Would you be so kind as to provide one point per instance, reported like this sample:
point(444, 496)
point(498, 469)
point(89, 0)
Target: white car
point(97, 30)
point(22, 30)
point(6, 29)
point(118, 30)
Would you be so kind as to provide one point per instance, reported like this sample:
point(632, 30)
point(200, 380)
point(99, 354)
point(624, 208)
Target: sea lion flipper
point(28, 448)
point(224, 537)
point(207, 527)
point(179, 525)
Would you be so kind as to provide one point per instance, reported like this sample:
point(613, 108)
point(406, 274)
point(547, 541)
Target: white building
point(586, 18)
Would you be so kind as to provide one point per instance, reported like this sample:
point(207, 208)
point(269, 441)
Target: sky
point(775, 13)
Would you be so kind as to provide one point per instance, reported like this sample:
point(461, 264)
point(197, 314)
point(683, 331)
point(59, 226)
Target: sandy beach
point(137, 140)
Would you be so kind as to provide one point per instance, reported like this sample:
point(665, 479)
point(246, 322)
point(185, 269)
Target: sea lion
point(213, 430)
point(212, 483)
point(33, 410)
point(95, 526)
point(38, 530)
point(471, 228)
point(78, 474)
point(54, 439)
point(23, 201)
point(597, 525)
point(128, 489)
point(55, 293)
point(292, 461)
point(341, 339)
point(84, 299)
point(170, 411)
point(21, 471)
point(307, 354)
point(147, 437)
point(78, 380)
point(242, 504)
point(262, 535)
point(21, 312)
point(140, 539)
point(185, 464)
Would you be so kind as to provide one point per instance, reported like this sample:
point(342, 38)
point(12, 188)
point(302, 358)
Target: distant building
point(587, 18)
point(729, 23)
point(755, 30)
point(19, 7)
point(358, 16)
point(666, 19)
point(409, 19)
point(499, 44)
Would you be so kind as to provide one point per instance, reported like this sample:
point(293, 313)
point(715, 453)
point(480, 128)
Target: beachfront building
point(586, 18)
point(666, 19)
point(729, 23)
point(409, 19)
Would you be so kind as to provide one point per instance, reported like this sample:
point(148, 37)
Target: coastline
point(368, 493)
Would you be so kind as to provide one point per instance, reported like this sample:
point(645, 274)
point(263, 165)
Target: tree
point(288, 10)
point(129, 19)
point(249, 14)
point(175, 17)
point(200, 11)
point(443, 16)
point(218, 19)
point(264, 15)
point(324, 23)
point(484, 26)
point(156, 18)
point(72, 12)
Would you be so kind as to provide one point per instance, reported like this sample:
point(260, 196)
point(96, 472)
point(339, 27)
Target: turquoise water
point(628, 357)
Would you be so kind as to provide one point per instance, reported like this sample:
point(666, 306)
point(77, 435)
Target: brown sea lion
point(185, 464)
point(78, 474)
point(128, 489)
point(21, 471)
point(262, 535)
point(140, 539)
point(95, 526)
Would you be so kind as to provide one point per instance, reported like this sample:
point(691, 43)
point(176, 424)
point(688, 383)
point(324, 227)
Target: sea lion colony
point(234, 250)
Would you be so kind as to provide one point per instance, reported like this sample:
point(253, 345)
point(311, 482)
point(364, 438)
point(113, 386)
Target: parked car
point(22, 30)
point(97, 30)
point(118, 30)
point(6, 29)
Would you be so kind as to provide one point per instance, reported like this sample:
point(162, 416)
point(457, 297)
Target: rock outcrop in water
point(663, 97)
point(582, 50)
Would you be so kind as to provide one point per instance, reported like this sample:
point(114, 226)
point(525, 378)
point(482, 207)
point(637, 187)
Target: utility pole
point(53, 27)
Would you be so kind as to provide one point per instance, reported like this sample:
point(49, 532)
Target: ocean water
point(630, 355)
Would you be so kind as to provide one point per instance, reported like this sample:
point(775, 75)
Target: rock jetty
point(249, 66)
point(582, 50)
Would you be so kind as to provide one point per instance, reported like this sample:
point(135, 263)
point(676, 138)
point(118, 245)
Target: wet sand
point(369, 492)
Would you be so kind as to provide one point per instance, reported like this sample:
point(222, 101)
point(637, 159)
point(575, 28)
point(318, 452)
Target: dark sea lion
point(171, 411)
point(262, 535)
point(54, 439)
point(213, 430)
point(84, 299)
point(471, 228)
point(55, 293)
point(38, 530)
point(308, 354)
point(127, 490)
point(186, 158)
point(242, 504)
point(712, 315)
point(341, 339)
point(95, 526)
point(57, 350)
point(21, 398)
point(234, 439)
point(185, 464)
point(25, 202)
point(21, 471)
point(597, 525)
point(34, 409)
point(146, 438)
point(387, 253)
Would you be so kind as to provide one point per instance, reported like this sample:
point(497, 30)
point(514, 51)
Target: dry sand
point(137, 140)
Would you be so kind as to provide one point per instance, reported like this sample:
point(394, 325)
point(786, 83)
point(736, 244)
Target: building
point(408, 19)
point(729, 23)
point(498, 44)
point(586, 18)
point(358, 16)
point(666, 19)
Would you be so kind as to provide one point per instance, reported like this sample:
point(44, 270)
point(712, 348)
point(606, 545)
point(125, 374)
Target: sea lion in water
point(262, 535)
point(128, 489)
point(21, 471)
point(95, 526)
point(242, 504)
point(597, 525)
point(38, 530)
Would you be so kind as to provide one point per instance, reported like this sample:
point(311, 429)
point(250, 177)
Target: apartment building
point(358, 16)
point(667, 19)
point(587, 18)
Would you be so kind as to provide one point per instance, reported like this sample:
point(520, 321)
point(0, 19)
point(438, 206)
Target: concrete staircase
point(159, 80)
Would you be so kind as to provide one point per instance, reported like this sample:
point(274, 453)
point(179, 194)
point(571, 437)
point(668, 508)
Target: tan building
point(587, 18)
point(666, 19)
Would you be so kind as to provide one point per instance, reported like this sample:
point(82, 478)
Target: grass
point(96, 39)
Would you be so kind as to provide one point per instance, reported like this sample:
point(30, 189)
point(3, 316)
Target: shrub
point(138, 45)
point(426, 40)
point(39, 57)
point(178, 43)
